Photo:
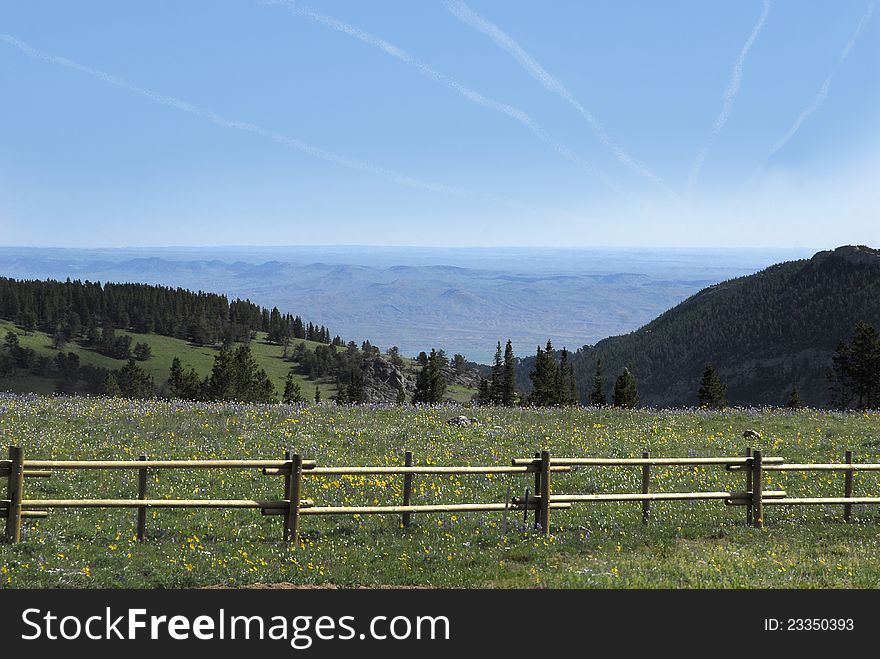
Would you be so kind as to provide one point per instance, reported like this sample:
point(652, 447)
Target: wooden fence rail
point(293, 468)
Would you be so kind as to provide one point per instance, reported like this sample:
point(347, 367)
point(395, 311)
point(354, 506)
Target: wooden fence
point(293, 468)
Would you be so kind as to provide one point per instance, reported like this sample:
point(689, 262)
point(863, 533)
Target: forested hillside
point(139, 340)
point(73, 308)
point(765, 334)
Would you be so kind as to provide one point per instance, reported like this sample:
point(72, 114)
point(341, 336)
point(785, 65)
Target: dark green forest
point(766, 335)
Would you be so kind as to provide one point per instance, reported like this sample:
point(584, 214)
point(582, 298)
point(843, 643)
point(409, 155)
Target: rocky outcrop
point(382, 382)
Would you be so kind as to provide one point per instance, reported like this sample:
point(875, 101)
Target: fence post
point(748, 470)
point(15, 493)
point(646, 486)
point(537, 490)
point(407, 487)
point(293, 487)
point(545, 492)
point(848, 487)
point(757, 489)
point(288, 456)
point(142, 494)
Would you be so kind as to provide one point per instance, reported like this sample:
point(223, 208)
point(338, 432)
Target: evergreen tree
point(355, 391)
point(865, 366)
point(110, 387)
point(292, 393)
point(175, 376)
point(544, 378)
point(134, 382)
point(11, 342)
point(794, 399)
point(317, 394)
point(566, 390)
point(430, 384)
point(855, 370)
point(597, 395)
point(840, 378)
point(508, 380)
point(484, 396)
point(394, 356)
point(237, 376)
point(142, 351)
point(626, 393)
point(496, 383)
point(712, 391)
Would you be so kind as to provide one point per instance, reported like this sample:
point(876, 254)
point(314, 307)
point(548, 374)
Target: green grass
point(201, 358)
point(689, 545)
point(164, 349)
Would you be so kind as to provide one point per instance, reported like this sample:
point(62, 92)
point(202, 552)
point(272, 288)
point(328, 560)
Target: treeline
point(71, 310)
point(552, 378)
point(855, 370)
point(236, 375)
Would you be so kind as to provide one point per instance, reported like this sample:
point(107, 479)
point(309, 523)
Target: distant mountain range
point(765, 334)
point(462, 300)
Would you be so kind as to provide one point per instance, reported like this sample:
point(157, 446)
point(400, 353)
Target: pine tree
point(430, 384)
point(597, 395)
point(839, 376)
point(292, 392)
point(508, 381)
point(544, 378)
point(566, 389)
point(496, 383)
point(484, 396)
point(794, 399)
point(855, 370)
point(317, 394)
point(355, 391)
point(110, 386)
point(175, 377)
point(712, 391)
point(134, 382)
point(142, 351)
point(237, 376)
point(626, 392)
point(865, 366)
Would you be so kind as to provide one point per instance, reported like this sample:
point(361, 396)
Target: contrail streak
point(431, 73)
point(214, 118)
point(823, 90)
point(729, 97)
point(465, 14)
point(279, 138)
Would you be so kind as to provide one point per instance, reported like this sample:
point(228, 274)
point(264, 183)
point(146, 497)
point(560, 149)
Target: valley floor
point(690, 545)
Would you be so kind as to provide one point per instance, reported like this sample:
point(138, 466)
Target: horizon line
point(567, 247)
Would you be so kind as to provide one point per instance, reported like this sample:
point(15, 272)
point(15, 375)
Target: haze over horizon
point(685, 125)
point(460, 299)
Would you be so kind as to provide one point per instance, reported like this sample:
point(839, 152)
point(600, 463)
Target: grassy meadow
point(270, 357)
point(686, 545)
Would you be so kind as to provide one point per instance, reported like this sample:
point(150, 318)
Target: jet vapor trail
point(427, 71)
point(214, 118)
point(465, 14)
point(279, 138)
point(729, 97)
point(823, 90)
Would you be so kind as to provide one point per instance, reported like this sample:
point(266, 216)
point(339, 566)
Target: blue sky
point(440, 123)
